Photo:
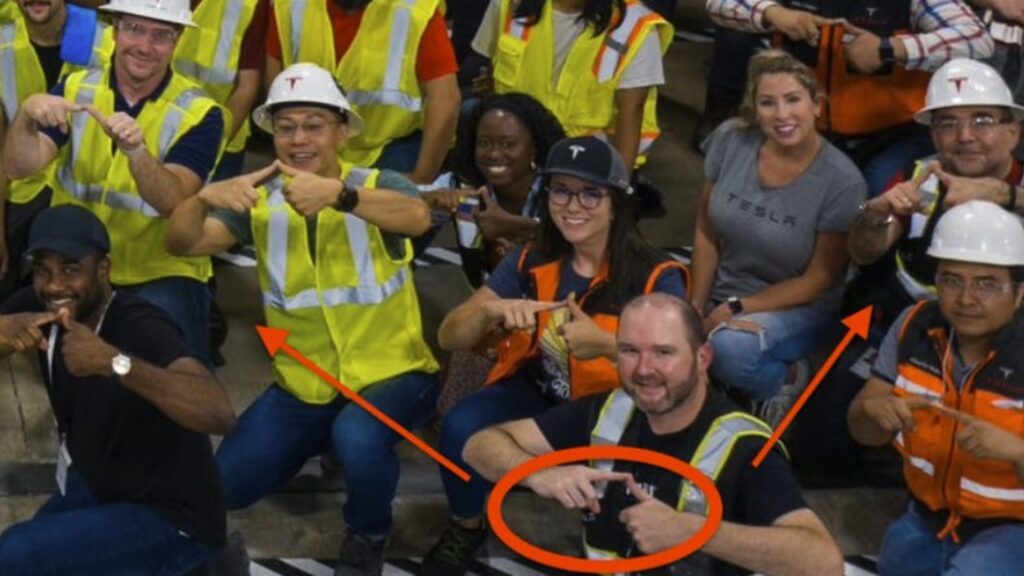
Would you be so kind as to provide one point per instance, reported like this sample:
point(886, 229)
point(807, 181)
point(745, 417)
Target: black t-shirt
point(750, 496)
point(49, 57)
point(121, 445)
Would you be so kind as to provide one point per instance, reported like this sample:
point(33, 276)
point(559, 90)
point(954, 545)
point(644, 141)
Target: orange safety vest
point(940, 474)
point(857, 104)
point(542, 279)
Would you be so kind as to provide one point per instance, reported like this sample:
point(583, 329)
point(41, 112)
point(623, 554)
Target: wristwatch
point(347, 200)
point(886, 55)
point(735, 305)
point(121, 365)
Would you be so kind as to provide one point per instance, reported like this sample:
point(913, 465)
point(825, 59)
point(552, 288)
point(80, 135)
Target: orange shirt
point(435, 58)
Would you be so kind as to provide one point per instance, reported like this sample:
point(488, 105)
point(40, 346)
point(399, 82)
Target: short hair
point(692, 325)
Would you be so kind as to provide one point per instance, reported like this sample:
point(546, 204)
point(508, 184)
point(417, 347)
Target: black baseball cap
point(68, 230)
point(589, 158)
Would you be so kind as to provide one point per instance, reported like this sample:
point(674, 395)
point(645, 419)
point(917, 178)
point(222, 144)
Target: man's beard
point(675, 396)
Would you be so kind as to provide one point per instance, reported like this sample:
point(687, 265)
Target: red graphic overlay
point(858, 323)
point(571, 563)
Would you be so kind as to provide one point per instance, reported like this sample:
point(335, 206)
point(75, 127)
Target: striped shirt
point(940, 29)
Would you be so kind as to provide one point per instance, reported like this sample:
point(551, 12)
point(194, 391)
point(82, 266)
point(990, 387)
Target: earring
point(533, 165)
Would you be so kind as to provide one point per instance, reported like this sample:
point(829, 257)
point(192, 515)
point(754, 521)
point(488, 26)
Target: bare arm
point(162, 186)
point(876, 414)
point(392, 211)
point(867, 242)
point(466, 325)
point(827, 266)
point(705, 252)
point(185, 392)
point(271, 70)
point(796, 543)
point(242, 99)
point(191, 232)
point(440, 118)
point(26, 149)
point(629, 122)
point(494, 451)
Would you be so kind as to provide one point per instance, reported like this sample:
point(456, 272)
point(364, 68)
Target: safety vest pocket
point(507, 60)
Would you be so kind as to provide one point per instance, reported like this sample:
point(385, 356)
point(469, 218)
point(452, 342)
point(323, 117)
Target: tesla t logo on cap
point(292, 80)
point(576, 150)
point(958, 82)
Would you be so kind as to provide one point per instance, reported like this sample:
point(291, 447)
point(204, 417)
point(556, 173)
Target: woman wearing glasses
point(553, 307)
point(770, 248)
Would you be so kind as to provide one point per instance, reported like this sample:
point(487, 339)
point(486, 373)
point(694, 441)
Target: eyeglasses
point(977, 124)
point(135, 31)
point(983, 288)
point(588, 198)
point(313, 129)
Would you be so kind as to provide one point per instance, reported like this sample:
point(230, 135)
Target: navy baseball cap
point(589, 158)
point(68, 230)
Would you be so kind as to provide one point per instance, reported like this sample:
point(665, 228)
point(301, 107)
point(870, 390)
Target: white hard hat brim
point(142, 12)
point(924, 116)
point(975, 257)
point(262, 117)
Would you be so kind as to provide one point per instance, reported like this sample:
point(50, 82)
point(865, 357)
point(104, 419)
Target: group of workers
point(123, 134)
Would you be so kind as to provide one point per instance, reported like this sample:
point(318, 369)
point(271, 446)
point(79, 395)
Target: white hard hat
point(306, 83)
point(963, 82)
point(979, 232)
point(175, 12)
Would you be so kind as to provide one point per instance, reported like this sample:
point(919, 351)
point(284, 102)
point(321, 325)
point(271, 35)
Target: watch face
point(121, 364)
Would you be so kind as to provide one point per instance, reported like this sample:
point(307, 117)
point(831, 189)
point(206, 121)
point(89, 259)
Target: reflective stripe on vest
point(612, 54)
point(94, 192)
point(390, 93)
point(710, 458)
point(368, 293)
point(297, 15)
point(222, 71)
point(8, 77)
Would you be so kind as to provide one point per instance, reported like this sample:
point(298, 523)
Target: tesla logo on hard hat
point(292, 80)
point(958, 82)
point(576, 150)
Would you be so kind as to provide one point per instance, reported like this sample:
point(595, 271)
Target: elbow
point(14, 169)
point(177, 244)
point(419, 219)
point(831, 562)
point(223, 420)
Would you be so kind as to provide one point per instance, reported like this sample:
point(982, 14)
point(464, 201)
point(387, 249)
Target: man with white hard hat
point(948, 391)
point(333, 257)
point(975, 126)
point(132, 140)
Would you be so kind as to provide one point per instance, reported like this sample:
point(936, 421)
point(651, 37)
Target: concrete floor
point(304, 519)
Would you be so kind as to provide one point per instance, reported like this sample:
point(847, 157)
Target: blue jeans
point(75, 534)
point(910, 548)
point(187, 301)
point(401, 154)
point(503, 401)
point(898, 155)
point(278, 433)
point(757, 363)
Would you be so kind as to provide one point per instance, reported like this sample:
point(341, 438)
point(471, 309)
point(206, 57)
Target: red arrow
point(858, 323)
point(274, 340)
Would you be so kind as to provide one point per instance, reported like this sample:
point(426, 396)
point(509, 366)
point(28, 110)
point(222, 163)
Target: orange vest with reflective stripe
point(938, 472)
point(585, 376)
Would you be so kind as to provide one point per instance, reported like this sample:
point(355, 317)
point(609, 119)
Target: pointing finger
point(288, 170)
point(264, 173)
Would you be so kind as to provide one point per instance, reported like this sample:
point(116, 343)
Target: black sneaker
point(454, 551)
point(360, 556)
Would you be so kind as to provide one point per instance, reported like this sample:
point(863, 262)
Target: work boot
point(361, 555)
point(454, 551)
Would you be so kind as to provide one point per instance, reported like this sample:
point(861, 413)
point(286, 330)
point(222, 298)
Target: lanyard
point(52, 344)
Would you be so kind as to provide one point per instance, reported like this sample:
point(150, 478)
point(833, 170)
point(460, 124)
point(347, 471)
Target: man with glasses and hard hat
point(333, 258)
point(132, 140)
point(948, 391)
point(975, 125)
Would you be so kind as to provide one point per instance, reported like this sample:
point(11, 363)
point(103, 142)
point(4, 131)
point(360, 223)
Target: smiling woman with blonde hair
point(770, 249)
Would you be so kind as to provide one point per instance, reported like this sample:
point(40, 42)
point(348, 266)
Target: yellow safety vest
point(210, 53)
point(353, 311)
point(378, 72)
point(21, 75)
point(90, 172)
point(918, 224)
point(583, 98)
point(710, 458)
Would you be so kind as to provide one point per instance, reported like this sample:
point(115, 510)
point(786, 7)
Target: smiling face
point(973, 311)
point(659, 366)
point(978, 150)
point(144, 48)
point(309, 138)
point(785, 109)
point(40, 12)
point(504, 149)
point(580, 226)
point(79, 286)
